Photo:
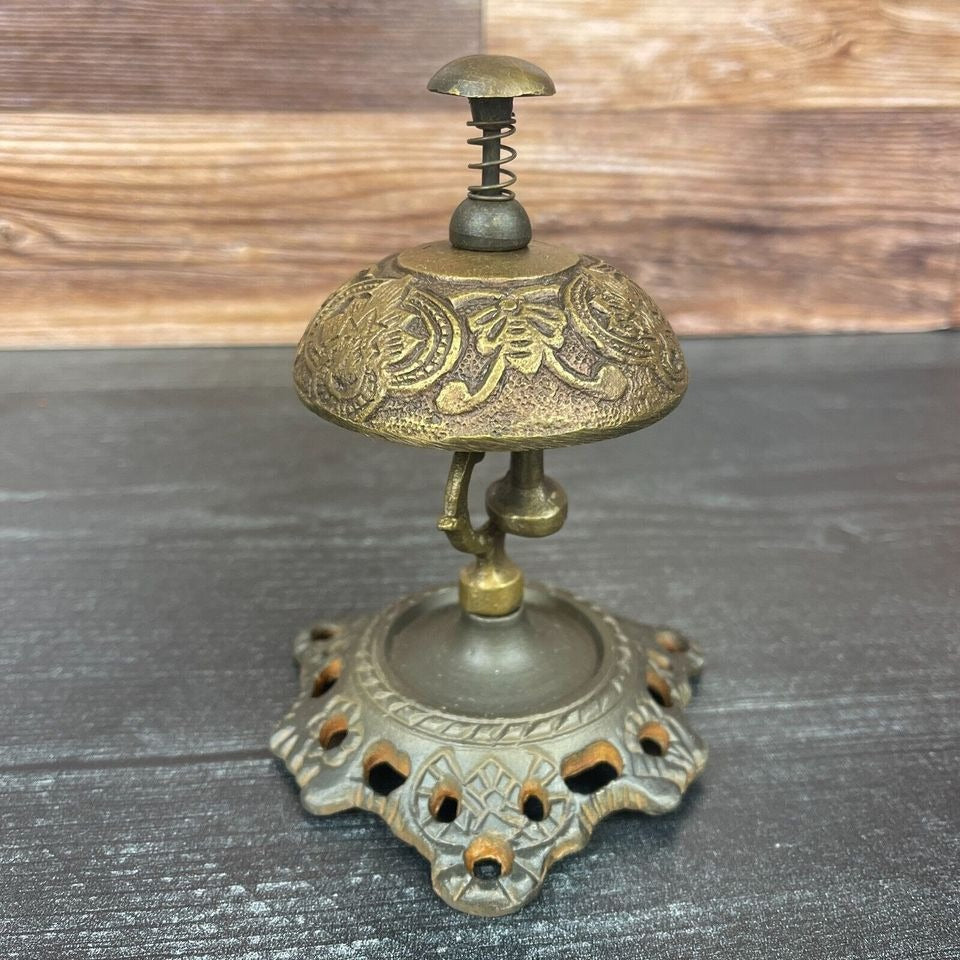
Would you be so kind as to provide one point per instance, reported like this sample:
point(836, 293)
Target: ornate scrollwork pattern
point(372, 338)
point(472, 364)
point(623, 322)
point(491, 802)
point(490, 799)
point(522, 330)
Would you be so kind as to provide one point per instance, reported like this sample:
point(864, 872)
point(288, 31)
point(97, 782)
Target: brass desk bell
point(492, 724)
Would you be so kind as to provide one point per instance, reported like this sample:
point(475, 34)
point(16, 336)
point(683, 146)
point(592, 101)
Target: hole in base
point(445, 803)
point(488, 858)
point(593, 778)
point(592, 768)
point(333, 732)
point(384, 778)
point(487, 868)
point(534, 802)
point(658, 688)
point(654, 739)
point(326, 678)
point(385, 768)
point(324, 631)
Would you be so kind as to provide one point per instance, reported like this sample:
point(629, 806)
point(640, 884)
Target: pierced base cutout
point(493, 801)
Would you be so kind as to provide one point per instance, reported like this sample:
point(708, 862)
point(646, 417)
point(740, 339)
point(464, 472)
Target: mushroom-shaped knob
point(485, 75)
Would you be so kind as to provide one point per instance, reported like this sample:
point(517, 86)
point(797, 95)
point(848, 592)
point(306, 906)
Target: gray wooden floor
point(169, 519)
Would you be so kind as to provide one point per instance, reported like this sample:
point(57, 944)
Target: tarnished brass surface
point(441, 261)
point(493, 746)
point(524, 502)
point(487, 75)
point(438, 347)
point(494, 724)
point(493, 586)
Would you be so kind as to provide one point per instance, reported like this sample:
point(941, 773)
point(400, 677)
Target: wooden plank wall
point(205, 171)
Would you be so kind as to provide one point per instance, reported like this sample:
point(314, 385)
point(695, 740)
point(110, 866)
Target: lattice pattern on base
point(490, 812)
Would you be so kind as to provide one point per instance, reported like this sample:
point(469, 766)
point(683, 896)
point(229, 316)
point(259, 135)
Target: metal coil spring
point(494, 132)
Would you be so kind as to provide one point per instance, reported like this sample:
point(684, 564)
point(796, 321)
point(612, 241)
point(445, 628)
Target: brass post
point(523, 502)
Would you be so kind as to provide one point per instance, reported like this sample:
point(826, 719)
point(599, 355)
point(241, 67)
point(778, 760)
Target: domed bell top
point(490, 341)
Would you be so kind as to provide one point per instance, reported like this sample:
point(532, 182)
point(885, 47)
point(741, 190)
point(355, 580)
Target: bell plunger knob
point(491, 218)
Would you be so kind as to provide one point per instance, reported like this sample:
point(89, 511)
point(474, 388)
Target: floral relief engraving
point(623, 322)
point(491, 805)
point(373, 337)
point(471, 363)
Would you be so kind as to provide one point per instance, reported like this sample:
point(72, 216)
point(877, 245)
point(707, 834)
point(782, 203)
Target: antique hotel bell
point(493, 723)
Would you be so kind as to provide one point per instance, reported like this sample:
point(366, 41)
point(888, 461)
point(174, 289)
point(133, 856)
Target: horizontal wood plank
point(609, 54)
point(622, 55)
point(229, 54)
point(758, 221)
point(232, 227)
point(206, 172)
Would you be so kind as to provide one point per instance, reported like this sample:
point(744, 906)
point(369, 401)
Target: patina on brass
point(494, 724)
point(462, 350)
point(524, 502)
point(491, 218)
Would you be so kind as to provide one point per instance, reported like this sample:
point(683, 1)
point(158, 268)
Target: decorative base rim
point(491, 801)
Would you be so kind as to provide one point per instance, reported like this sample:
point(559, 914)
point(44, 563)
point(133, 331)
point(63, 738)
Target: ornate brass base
point(492, 744)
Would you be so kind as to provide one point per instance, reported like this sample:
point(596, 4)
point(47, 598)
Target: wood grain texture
point(169, 519)
point(201, 228)
point(204, 173)
point(152, 55)
point(314, 55)
point(763, 221)
point(141, 229)
point(785, 54)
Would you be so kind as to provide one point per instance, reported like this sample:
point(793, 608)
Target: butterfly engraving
point(522, 331)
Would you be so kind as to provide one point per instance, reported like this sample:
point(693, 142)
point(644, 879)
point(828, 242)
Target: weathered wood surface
point(765, 53)
point(101, 55)
point(107, 56)
point(146, 229)
point(206, 172)
point(170, 518)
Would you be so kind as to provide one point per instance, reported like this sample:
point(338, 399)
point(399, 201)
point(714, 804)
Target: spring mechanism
point(493, 164)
